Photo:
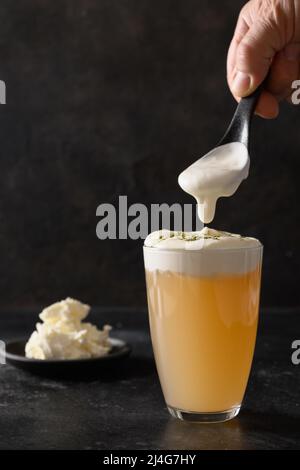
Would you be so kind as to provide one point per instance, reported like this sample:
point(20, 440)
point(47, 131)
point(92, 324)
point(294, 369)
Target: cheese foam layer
point(205, 252)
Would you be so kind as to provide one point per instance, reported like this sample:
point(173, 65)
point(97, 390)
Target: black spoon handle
point(239, 128)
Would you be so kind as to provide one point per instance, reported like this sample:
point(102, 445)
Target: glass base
point(214, 417)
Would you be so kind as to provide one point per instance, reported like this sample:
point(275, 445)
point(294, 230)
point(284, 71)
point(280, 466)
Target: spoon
point(240, 126)
point(220, 172)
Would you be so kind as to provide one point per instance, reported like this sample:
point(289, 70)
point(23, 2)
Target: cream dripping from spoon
point(218, 174)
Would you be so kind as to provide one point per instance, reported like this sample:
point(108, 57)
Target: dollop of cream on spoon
point(218, 174)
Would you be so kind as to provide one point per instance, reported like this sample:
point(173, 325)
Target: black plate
point(78, 369)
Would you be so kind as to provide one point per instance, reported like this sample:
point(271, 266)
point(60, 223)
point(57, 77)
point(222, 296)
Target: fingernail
point(241, 83)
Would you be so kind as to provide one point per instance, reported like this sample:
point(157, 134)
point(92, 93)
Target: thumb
point(253, 57)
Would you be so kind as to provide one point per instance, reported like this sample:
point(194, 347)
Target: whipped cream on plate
point(219, 173)
point(63, 335)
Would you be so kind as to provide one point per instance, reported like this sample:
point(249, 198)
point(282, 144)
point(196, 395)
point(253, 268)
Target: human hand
point(266, 39)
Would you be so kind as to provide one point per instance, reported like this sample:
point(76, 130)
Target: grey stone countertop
point(127, 410)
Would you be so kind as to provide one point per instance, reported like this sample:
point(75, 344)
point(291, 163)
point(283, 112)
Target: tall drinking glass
point(203, 310)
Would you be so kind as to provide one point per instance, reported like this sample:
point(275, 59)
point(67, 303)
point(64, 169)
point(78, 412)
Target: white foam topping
point(205, 252)
point(207, 238)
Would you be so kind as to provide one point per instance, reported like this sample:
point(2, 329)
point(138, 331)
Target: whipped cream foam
point(206, 252)
point(63, 335)
point(207, 238)
point(219, 173)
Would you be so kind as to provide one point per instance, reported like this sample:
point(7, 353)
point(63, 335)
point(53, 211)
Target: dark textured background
point(110, 97)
